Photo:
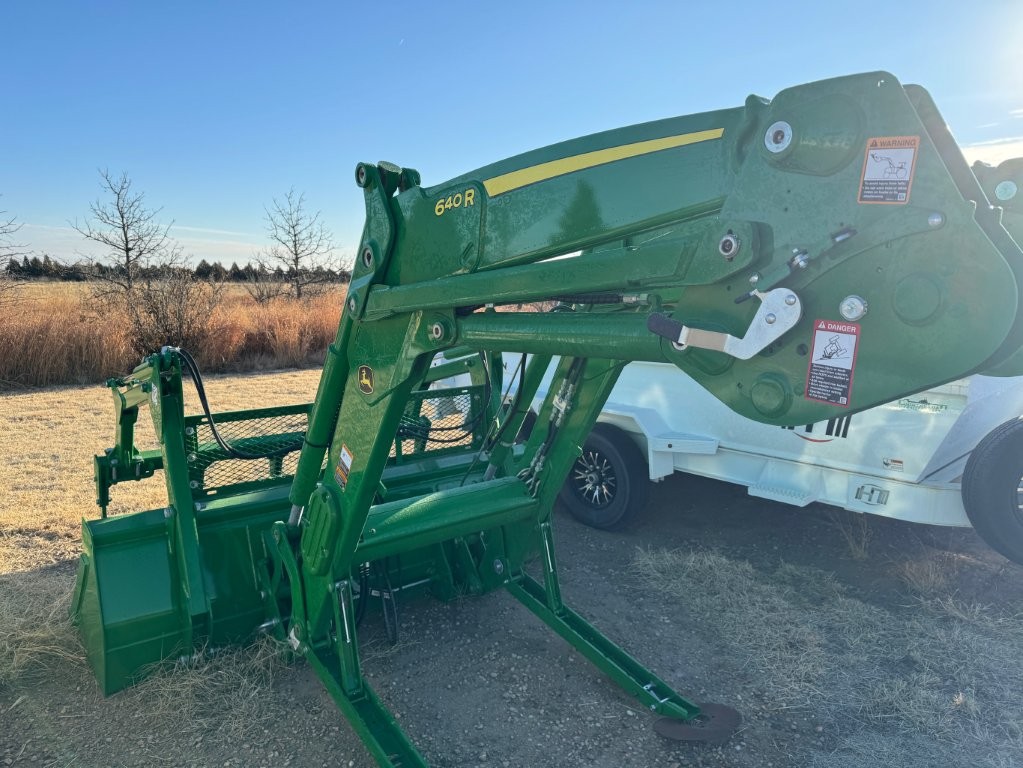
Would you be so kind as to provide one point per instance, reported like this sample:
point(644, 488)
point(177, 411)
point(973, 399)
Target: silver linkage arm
point(780, 310)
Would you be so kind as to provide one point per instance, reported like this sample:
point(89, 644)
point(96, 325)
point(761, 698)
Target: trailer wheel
point(608, 484)
point(993, 489)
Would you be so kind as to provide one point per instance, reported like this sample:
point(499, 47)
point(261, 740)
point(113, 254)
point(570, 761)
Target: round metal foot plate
point(715, 724)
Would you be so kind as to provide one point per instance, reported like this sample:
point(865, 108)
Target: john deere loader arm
point(801, 258)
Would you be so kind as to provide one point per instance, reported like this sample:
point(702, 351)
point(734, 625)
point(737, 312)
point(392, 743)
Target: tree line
point(135, 248)
point(46, 268)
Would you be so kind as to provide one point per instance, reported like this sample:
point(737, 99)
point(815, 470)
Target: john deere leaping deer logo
point(365, 380)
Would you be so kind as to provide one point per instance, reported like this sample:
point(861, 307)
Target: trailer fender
point(655, 437)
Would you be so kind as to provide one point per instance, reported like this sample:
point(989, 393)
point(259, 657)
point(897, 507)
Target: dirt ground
point(901, 648)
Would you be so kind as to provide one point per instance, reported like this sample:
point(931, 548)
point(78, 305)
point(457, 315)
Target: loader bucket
point(163, 584)
point(133, 601)
point(129, 615)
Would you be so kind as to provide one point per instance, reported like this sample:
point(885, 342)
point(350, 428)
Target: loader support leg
point(633, 677)
point(369, 718)
point(552, 591)
point(347, 643)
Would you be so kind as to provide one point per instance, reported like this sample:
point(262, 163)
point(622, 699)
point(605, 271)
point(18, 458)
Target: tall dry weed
point(59, 334)
point(59, 338)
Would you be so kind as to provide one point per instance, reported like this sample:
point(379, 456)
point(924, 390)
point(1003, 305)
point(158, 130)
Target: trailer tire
point(608, 485)
point(993, 489)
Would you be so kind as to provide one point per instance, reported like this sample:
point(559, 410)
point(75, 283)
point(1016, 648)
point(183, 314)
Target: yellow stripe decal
point(506, 182)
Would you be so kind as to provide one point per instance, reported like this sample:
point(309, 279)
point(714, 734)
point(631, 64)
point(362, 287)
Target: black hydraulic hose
point(410, 428)
point(513, 406)
point(591, 298)
point(360, 607)
point(193, 372)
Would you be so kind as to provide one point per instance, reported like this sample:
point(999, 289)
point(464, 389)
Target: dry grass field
point(893, 652)
point(58, 333)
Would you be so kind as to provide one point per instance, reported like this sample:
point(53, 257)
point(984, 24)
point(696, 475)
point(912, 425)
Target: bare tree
point(9, 225)
point(129, 233)
point(147, 282)
point(300, 244)
point(175, 309)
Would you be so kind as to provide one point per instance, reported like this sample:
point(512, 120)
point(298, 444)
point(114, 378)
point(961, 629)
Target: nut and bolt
point(498, 567)
point(437, 331)
point(853, 308)
point(800, 258)
point(729, 246)
point(754, 278)
point(778, 137)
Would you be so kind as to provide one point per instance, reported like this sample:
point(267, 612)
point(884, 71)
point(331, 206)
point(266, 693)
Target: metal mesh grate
point(434, 422)
point(280, 435)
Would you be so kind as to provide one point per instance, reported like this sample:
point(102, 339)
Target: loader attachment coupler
point(765, 250)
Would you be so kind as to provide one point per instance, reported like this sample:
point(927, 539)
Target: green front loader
point(801, 258)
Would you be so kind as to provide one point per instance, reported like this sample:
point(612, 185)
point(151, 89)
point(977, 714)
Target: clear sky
point(215, 108)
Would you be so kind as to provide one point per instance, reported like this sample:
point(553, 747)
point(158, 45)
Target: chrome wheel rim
point(594, 479)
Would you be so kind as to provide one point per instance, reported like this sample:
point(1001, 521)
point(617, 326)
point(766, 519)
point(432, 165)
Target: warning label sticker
point(344, 466)
point(888, 169)
point(832, 362)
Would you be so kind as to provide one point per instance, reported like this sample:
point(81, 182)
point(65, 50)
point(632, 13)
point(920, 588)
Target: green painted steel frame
point(615, 227)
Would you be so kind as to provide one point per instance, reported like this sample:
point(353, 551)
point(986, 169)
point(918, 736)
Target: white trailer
point(952, 455)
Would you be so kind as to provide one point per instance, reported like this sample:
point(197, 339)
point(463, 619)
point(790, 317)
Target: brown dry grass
point(942, 675)
point(48, 440)
point(54, 333)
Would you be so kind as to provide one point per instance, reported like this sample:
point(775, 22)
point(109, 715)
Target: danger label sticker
point(888, 169)
point(344, 466)
point(832, 362)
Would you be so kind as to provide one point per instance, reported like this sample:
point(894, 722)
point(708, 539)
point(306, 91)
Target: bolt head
point(367, 257)
point(771, 318)
point(351, 305)
point(852, 308)
point(790, 300)
point(778, 137)
point(1006, 190)
point(728, 246)
point(754, 278)
point(935, 220)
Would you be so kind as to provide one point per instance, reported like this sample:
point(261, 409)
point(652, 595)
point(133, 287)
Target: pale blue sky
point(214, 108)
